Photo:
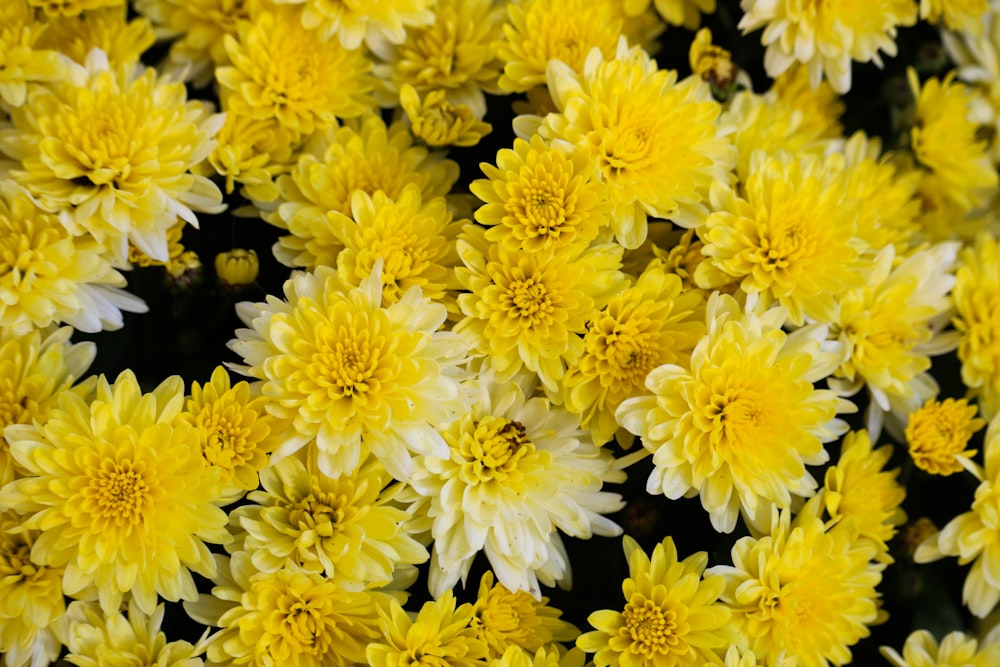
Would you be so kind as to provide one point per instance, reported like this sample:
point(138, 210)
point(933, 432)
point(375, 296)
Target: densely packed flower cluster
point(526, 275)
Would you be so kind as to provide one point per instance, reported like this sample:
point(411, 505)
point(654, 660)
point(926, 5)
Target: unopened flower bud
point(236, 268)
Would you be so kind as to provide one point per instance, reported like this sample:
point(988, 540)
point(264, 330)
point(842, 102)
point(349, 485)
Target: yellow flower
point(504, 620)
point(802, 590)
point(349, 370)
point(945, 142)
point(414, 240)
point(542, 197)
point(518, 471)
point(740, 424)
point(938, 432)
point(672, 617)
point(857, 488)
point(957, 649)
point(237, 267)
point(826, 37)
point(283, 71)
point(364, 155)
point(977, 318)
point(437, 122)
point(657, 142)
point(790, 237)
point(34, 369)
point(31, 598)
point(252, 153)
point(288, 617)
point(112, 155)
point(58, 8)
point(652, 323)
point(439, 634)
point(538, 31)
point(974, 536)
point(107, 29)
point(353, 22)
point(93, 638)
point(958, 15)
point(120, 492)
point(345, 528)
point(456, 53)
point(48, 276)
point(527, 310)
point(20, 34)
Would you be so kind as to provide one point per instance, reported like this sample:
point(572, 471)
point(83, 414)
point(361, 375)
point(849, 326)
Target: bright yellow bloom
point(974, 536)
point(345, 528)
point(672, 617)
point(977, 318)
point(439, 634)
point(803, 590)
point(363, 155)
point(527, 310)
point(112, 154)
point(740, 424)
point(20, 34)
point(437, 122)
point(107, 29)
point(120, 492)
point(237, 267)
point(282, 70)
point(652, 323)
point(349, 370)
point(538, 31)
point(957, 649)
point(57, 8)
point(788, 234)
point(252, 153)
point(93, 638)
point(938, 432)
point(657, 141)
point(858, 489)
point(505, 619)
point(354, 21)
point(826, 37)
point(541, 197)
point(31, 598)
point(518, 471)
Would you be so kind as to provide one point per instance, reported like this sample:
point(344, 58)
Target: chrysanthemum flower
point(977, 318)
point(437, 122)
point(94, 638)
point(345, 528)
point(456, 53)
point(414, 240)
point(857, 488)
point(282, 70)
point(652, 323)
point(252, 153)
point(288, 617)
point(24, 58)
point(68, 8)
point(518, 470)
point(31, 598)
point(48, 276)
point(541, 197)
point(112, 155)
point(938, 433)
point(672, 616)
point(235, 431)
point(538, 31)
point(739, 426)
point(353, 21)
point(349, 370)
point(957, 649)
point(657, 142)
point(526, 310)
point(826, 37)
point(107, 29)
point(120, 492)
point(974, 536)
point(438, 634)
point(364, 155)
point(803, 590)
point(504, 619)
point(788, 234)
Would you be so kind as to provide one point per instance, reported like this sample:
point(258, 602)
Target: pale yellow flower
point(938, 433)
point(437, 122)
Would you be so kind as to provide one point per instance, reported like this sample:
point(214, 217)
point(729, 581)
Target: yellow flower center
point(317, 515)
point(227, 443)
point(529, 301)
point(502, 618)
point(539, 201)
point(622, 148)
point(493, 450)
point(14, 409)
point(15, 561)
point(784, 244)
point(938, 432)
point(295, 617)
point(653, 629)
point(100, 139)
point(353, 360)
point(624, 348)
point(119, 492)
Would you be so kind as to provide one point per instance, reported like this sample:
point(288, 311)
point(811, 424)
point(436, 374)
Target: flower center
point(101, 139)
point(529, 300)
point(15, 561)
point(317, 515)
point(13, 410)
point(226, 445)
point(625, 351)
point(493, 450)
point(121, 492)
point(652, 628)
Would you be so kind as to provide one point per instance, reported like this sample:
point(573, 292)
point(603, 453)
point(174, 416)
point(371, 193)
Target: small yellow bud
point(710, 62)
point(236, 268)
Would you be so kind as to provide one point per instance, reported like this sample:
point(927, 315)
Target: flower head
point(672, 616)
point(437, 122)
point(938, 433)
